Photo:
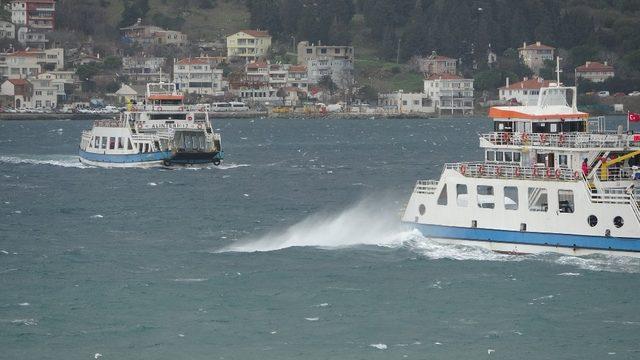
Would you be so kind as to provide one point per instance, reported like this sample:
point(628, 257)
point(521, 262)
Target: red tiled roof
point(194, 61)
point(18, 81)
point(444, 77)
point(25, 53)
point(535, 83)
point(594, 66)
point(536, 46)
point(297, 68)
point(256, 33)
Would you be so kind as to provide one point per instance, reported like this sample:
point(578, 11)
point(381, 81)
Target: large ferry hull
point(195, 158)
point(522, 242)
point(145, 160)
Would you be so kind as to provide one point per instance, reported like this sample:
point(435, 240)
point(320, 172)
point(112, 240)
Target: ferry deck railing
point(581, 140)
point(485, 170)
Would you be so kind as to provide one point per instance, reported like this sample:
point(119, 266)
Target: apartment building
point(534, 55)
point(248, 45)
point(198, 75)
point(436, 64)
point(450, 94)
point(524, 92)
point(144, 69)
point(595, 71)
point(36, 14)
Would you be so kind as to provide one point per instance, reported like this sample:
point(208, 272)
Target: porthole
point(592, 220)
point(618, 221)
point(422, 209)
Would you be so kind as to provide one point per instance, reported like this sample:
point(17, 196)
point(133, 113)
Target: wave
point(371, 222)
point(68, 161)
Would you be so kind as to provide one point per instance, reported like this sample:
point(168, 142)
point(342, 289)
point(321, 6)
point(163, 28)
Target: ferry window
point(491, 155)
point(618, 221)
point(94, 142)
point(120, 143)
point(563, 160)
point(112, 143)
point(486, 200)
point(508, 156)
point(592, 220)
point(510, 198)
point(422, 209)
point(462, 198)
point(499, 156)
point(538, 199)
point(541, 158)
point(129, 145)
point(516, 157)
point(104, 142)
point(566, 203)
point(442, 199)
point(553, 128)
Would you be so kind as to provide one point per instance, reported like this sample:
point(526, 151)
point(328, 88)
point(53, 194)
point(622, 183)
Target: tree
point(112, 63)
point(87, 71)
point(367, 94)
point(327, 84)
point(282, 93)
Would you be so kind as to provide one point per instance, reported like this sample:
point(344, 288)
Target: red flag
point(634, 117)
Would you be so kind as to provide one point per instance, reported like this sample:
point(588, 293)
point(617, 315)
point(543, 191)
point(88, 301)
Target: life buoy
point(505, 137)
point(158, 108)
point(543, 137)
point(535, 172)
point(189, 118)
point(517, 172)
point(547, 172)
point(561, 139)
point(576, 175)
point(558, 173)
point(200, 126)
point(481, 170)
point(463, 169)
point(498, 171)
point(139, 125)
point(525, 137)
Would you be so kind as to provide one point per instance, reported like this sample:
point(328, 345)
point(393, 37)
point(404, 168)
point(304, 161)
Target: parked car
point(634, 93)
point(603, 93)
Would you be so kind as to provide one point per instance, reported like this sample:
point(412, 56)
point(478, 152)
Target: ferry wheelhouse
point(552, 179)
point(114, 143)
point(193, 140)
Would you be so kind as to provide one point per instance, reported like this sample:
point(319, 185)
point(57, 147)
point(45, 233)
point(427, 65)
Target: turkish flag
point(634, 117)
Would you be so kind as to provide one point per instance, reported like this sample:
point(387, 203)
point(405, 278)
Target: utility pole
point(398, 53)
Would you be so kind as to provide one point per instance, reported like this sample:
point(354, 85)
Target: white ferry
point(189, 127)
point(552, 180)
point(114, 143)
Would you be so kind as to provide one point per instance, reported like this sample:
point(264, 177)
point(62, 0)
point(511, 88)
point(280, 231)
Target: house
point(136, 93)
point(144, 69)
point(45, 94)
point(450, 94)
point(308, 52)
point(147, 35)
point(248, 45)
point(17, 91)
point(32, 39)
point(36, 14)
point(535, 55)
point(436, 64)
point(198, 75)
point(22, 64)
point(595, 71)
point(340, 71)
point(66, 83)
point(297, 77)
point(524, 92)
point(7, 30)
point(406, 103)
point(84, 59)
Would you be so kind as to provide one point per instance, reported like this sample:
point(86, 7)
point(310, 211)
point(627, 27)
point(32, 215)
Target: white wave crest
point(230, 166)
point(68, 161)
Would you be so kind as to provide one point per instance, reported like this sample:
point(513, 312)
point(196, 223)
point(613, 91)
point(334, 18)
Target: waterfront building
point(327, 60)
point(534, 55)
point(144, 69)
point(248, 45)
point(198, 75)
point(7, 30)
point(308, 52)
point(16, 93)
point(595, 71)
point(36, 14)
point(64, 82)
point(450, 94)
point(525, 92)
point(406, 103)
point(297, 77)
point(22, 64)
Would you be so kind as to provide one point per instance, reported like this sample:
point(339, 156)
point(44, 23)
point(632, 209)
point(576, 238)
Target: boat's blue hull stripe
point(128, 158)
point(529, 238)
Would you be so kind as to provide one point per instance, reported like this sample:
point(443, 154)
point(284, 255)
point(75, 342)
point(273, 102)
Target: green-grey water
point(290, 250)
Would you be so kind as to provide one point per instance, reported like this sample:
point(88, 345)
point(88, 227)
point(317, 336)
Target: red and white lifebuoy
point(543, 137)
point(463, 169)
point(139, 125)
point(200, 126)
point(576, 175)
point(558, 173)
point(506, 137)
point(517, 173)
point(562, 138)
point(547, 172)
point(481, 170)
point(190, 118)
point(498, 171)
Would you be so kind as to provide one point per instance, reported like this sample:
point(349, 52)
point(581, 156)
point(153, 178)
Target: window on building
point(538, 199)
point(499, 156)
point(566, 203)
point(442, 199)
point(563, 160)
point(485, 197)
point(508, 156)
point(491, 155)
point(462, 196)
point(112, 143)
point(323, 51)
point(510, 198)
point(103, 143)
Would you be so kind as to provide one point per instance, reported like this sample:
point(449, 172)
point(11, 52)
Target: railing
point(426, 187)
point(109, 123)
point(484, 170)
point(563, 140)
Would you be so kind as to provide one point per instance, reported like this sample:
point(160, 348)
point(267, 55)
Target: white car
point(634, 93)
point(603, 93)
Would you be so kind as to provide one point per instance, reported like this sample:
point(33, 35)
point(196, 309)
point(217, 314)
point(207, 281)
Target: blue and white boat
point(114, 143)
point(552, 180)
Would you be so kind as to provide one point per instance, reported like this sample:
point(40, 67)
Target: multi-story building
point(298, 77)
point(45, 94)
point(147, 35)
point(595, 71)
point(406, 103)
point(249, 45)
point(535, 55)
point(32, 39)
point(16, 93)
point(22, 64)
point(198, 75)
point(36, 14)
point(308, 52)
point(524, 92)
point(64, 82)
point(436, 64)
point(450, 94)
point(7, 30)
point(144, 69)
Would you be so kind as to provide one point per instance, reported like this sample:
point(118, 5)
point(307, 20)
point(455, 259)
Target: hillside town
point(40, 73)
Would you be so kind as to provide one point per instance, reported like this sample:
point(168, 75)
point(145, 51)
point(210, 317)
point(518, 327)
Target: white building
point(450, 94)
point(308, 52)
point(524, 92)
point(7, 30)
point(32, 39)
point(45, 94)
point(406, 103)
point(340, 71)
point(37, 14)
point(65, 83)
point(535, 55)
point(436, 64)
point(198, 75)
point(248, 45)
point(297, 77)
point(595, 71)
point(144, 69)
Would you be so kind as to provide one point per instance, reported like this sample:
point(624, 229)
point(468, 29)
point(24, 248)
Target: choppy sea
point(292, 249)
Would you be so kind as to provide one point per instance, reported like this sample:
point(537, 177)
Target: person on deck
point(585, 167)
